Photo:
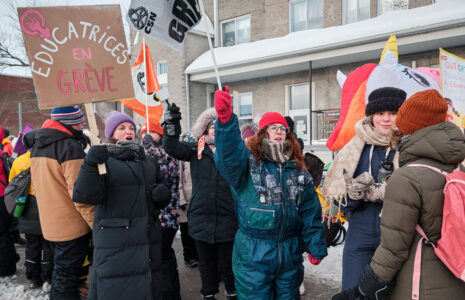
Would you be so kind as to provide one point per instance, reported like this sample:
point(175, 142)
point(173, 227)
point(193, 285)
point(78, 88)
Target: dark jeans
point(39, 258)
point(171, 287)
point(212, 258)
point(8, 255)
point(188, 244)
point(68, 260)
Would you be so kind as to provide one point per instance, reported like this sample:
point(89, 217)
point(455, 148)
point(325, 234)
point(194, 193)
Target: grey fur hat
point(249, 125)
point(203, 121)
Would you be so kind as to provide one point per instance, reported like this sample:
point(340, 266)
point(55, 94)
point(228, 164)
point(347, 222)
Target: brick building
point(267, 51)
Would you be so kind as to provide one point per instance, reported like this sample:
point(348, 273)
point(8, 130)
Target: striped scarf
point(276, 152)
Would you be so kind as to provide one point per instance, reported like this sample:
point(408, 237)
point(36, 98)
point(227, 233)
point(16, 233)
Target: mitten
point(358, 187)
point(371, 286)
point(161, 196)
point(375, 192)
point(350, 294)
point(223, 104)
point(313, 261)
point(172, 124)
point(97, 154)
point(147, 141)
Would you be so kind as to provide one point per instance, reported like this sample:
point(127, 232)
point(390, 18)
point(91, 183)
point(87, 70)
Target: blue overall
point(363, 234)
point(279, 218)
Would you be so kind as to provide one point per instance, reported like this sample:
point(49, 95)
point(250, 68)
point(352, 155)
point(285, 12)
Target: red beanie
point(154, 127)
point(272, 118)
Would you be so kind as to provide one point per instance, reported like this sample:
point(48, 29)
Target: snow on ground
point(329, 271)
point(11, 289)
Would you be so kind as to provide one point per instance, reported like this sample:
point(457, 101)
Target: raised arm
point(231, 155)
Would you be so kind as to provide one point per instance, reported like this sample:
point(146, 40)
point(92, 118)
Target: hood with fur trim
point(248, 125)
point(200, 125)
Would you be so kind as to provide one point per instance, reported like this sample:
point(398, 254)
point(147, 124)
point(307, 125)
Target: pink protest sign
point(77, 54)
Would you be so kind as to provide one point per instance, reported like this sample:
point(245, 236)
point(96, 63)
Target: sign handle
point(94, 140)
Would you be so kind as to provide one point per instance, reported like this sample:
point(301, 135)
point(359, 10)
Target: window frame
point(158, 67)
point(379, 8)
point(235, 29)
point(238, 103)
point(345, 5)
point(306, 15)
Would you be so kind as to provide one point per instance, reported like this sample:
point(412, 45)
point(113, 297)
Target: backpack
point(7, 162)
point(18, 187)
point(450, 248)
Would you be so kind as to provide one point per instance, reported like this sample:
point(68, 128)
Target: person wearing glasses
point(278, 210)
point(356, 181)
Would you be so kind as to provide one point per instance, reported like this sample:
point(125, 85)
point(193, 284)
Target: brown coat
point(415, 195)
point(185, 189)
point(56, 159)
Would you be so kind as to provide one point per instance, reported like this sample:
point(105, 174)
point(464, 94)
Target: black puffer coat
point(211, 214)
point(126, 231)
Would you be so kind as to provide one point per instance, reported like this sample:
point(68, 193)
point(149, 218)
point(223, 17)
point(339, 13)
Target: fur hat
point(421, 110)
point(114, 119)
point(203, 122)
point(248, 129)
point(384, 99)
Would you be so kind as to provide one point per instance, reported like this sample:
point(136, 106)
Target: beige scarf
point(335, 188)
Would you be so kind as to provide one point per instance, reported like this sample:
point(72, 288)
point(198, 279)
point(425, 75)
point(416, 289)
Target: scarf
point(133, 145)
point(276, 152)
point(346, 161)
point(205, 139)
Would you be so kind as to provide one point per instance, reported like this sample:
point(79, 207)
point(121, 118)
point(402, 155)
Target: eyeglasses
point(274, 129)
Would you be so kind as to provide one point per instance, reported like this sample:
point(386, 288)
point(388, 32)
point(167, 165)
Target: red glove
point(313, 261)
point(223, 105)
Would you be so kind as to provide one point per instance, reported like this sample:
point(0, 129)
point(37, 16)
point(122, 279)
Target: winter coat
point(415, 195)
point(170, 174)
point(211, 211)
point(56, 158)
point(278, 210)
point(7, 147)
point(185, 189)
point(363, 234)
point(29, 222)
point(3, 177)
point(127, 232)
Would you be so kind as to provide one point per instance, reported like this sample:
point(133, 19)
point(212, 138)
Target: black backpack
point(7, 162)
point(18, 187)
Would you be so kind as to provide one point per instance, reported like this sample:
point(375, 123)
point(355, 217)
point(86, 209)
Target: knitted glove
point(375, 192)
point(223, 105)
point(97, 154)
point(147, 141)
point(313, 261)
point(172, 124)
point(358, 187)
point(371, 286)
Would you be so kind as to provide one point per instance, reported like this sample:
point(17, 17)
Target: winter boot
point(231, 296)
point(209, 297)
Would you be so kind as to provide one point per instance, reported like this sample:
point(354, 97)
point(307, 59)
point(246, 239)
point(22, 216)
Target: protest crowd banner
point(78, 55)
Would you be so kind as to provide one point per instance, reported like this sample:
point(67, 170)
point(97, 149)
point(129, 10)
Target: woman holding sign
point(126, 231)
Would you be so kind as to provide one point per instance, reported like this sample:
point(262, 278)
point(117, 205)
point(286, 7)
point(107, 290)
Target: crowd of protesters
point(245, 198)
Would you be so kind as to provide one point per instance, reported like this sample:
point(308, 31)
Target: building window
point(235, 31)
point(385, 6)
point(299, 104)
point(243, 103)
point(162, 68)
point(305, 14)
point(356, 10)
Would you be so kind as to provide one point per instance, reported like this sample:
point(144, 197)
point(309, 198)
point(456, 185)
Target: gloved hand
point(223, 104)
point(172, 124)
point(375, 192)
point(161, 196)
point(358, 187)
point(183, 207)
point(147, 141)
point(313, 261)
point(97, 154)
point(350, 294)
point(371, 286)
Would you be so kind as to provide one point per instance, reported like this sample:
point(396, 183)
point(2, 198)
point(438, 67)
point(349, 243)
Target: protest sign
point(77, 54)
point(166, 21)
point(453, 86)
